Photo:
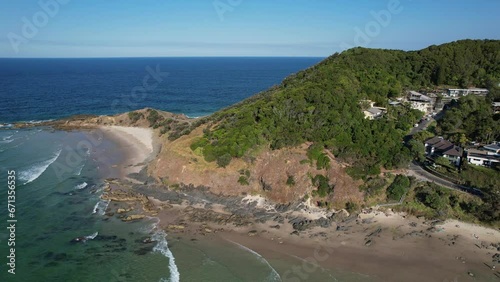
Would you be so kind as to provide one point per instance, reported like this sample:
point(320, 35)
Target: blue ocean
point(41, 89)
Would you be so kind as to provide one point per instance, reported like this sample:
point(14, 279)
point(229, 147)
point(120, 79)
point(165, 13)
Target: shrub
point(351, 207)
point(290, 180)
point(134, 116)
point(243, 180)
point(224, 160)
point(322, 183)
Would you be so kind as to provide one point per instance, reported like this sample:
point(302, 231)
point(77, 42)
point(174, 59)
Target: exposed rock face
point(265, 186)
point(269, 170)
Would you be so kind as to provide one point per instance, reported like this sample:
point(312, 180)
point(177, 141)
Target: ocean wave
point(162, 247)
point(274, 276)
point(81, 186)
point(38, 169)
point(101, 207)
point(91, 237)
point(79, 171)
point(6, 141)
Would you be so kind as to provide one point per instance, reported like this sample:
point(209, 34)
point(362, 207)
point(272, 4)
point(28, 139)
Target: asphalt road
point(417, 171)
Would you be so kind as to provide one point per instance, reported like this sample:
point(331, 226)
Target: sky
point(173, 28)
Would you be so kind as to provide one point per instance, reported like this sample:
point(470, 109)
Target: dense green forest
point(321, 104)
point(470, 119)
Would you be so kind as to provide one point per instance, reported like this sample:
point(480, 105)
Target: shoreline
point(139, 146)
point(373, 243)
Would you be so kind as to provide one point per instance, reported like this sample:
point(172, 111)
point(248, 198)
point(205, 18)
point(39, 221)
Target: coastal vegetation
point(321, 105)
point(435, 202)
point(470, 119)
point(322, 108)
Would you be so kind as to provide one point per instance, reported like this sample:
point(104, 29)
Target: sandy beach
point(138, 145)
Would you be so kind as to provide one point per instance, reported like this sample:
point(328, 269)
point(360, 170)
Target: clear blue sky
point(145, 28)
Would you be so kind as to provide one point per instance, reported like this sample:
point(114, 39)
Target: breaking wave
point(162, 247)
point(32, 173)
point(81, 186)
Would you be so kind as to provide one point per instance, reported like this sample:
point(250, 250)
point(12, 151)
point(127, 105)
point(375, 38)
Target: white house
point(421, 102)
point(455, 92)
point(483, 159)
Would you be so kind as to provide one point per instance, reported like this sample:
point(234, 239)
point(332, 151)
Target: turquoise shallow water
point(57, 200)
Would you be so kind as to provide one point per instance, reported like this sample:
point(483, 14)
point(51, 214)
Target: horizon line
point(158, 57)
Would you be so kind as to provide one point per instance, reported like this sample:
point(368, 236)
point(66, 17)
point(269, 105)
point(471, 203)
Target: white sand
point(142, 135)
point(136, 142)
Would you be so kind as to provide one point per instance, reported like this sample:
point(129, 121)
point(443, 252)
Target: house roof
point(493, 147)
point(455, 151)
point(375, 111)
point(445, 146)
point(433, 140)
point(415, 96)
point(484, 157)
point(476, 152)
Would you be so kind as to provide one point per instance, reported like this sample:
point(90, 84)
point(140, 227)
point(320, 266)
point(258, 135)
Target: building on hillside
point(482, 158)
point(496, 107)
point(374, 113)
point(371, 111)
point(492, 149)
point(456, 92)
point(439, 147)
point(421, 102)
point(394, 103)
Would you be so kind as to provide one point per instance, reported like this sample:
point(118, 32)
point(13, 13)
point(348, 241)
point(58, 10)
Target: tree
point(417, 150)
point(398, 187)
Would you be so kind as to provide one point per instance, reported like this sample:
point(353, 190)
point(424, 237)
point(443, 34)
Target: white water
point(81, 186)
point(80, 170)
point(91, 237)
point(162, 247)
point(38, 169)
point(101, 206)
point(274, 274)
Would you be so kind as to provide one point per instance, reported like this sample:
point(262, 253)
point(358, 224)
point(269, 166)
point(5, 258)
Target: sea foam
point(91, 237)
point(162, 247)
point(81, 186)
point(38, 169)
point(101, 207)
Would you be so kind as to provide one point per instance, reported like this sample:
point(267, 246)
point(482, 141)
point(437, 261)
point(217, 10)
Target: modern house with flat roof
point(482, 158)
point(455, 92)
